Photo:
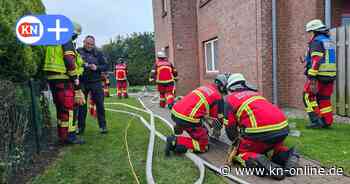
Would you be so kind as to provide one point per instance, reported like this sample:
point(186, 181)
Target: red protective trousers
point(122, 88)
point(320, 103)
point(166, 94)
point(63, 97)
point(252, 149)
point(198, 140)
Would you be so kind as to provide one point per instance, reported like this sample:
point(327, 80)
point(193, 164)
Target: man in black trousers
point(91, 82)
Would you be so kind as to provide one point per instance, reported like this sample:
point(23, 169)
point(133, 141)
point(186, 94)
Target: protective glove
point(311, 86)
point(79, 97)
point(178, 130)
point(216, 124)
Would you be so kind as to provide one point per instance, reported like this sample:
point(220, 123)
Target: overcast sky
point(105, 19)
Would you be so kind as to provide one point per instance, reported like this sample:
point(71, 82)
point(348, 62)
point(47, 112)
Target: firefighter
point(106, 83)
point(321, 73)
point(62, 67)
point(164, 74)
point(121, 73)
point(191, 111)
point(261, 127)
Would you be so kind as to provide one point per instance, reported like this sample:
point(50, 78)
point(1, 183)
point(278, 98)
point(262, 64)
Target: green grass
point(104, 159)
point(132, 89)
point(329, 146)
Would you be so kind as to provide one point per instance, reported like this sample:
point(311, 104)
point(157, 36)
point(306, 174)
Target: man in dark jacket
point(91, 82)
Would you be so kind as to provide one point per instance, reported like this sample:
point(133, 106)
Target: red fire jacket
point(121, 71)
point(202, 102)
point(163, 71)
point(253, 113)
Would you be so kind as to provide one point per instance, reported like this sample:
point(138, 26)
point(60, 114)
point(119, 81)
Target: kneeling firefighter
point(189, 114)
point(261, 126)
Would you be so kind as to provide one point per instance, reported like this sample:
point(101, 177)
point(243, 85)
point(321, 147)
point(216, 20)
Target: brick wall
point(236, 37)
point(244, 36)
point(292, 42)
point(184, 24)
point(163, 28)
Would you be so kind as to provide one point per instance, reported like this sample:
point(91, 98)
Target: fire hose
point(149, 176)
point(200, 163)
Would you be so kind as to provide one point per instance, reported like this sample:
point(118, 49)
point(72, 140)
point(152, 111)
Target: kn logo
point(44, 29)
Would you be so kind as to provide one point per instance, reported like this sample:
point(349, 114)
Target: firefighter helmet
point(315, 25)
point(235, 80)
point(161, 54)
point(221, 82)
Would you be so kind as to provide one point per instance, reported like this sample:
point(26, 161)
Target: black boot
point(170, 106)
point(262, 163)
point(103, 130)
point(315, 121)
point(73, 139)
point(292, 161)
point(170, 145)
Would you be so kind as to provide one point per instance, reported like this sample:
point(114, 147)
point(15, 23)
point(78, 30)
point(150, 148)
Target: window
point(211, 55)
point(164, 8)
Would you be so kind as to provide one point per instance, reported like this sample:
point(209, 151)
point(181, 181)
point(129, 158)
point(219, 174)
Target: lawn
point(104, 158)
point(329, 146)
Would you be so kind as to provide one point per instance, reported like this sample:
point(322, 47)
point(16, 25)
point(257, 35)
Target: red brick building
point(206, 37)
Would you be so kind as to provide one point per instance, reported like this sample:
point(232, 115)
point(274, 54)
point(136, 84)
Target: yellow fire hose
point(127, 150)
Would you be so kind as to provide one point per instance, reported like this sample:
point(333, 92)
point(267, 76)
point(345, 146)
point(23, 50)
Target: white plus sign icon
point(58, 29)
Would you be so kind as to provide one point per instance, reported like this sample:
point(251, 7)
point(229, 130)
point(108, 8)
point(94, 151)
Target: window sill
point(164, 13)
point(203, 3)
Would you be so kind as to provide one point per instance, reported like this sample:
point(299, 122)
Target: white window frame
point(215, 68)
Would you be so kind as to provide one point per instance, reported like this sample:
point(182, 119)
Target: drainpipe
point(328, 12)
point(274, 53)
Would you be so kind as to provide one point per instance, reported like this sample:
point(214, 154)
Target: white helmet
point(315, 25)
point(161, 54)
point(234, 80)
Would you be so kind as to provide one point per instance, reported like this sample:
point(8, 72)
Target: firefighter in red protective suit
point(121, 73)
point(106, 83)
point(189, 114)
point(262, 127)
point(164, 74)
point(321, 73)
point(62, 67)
